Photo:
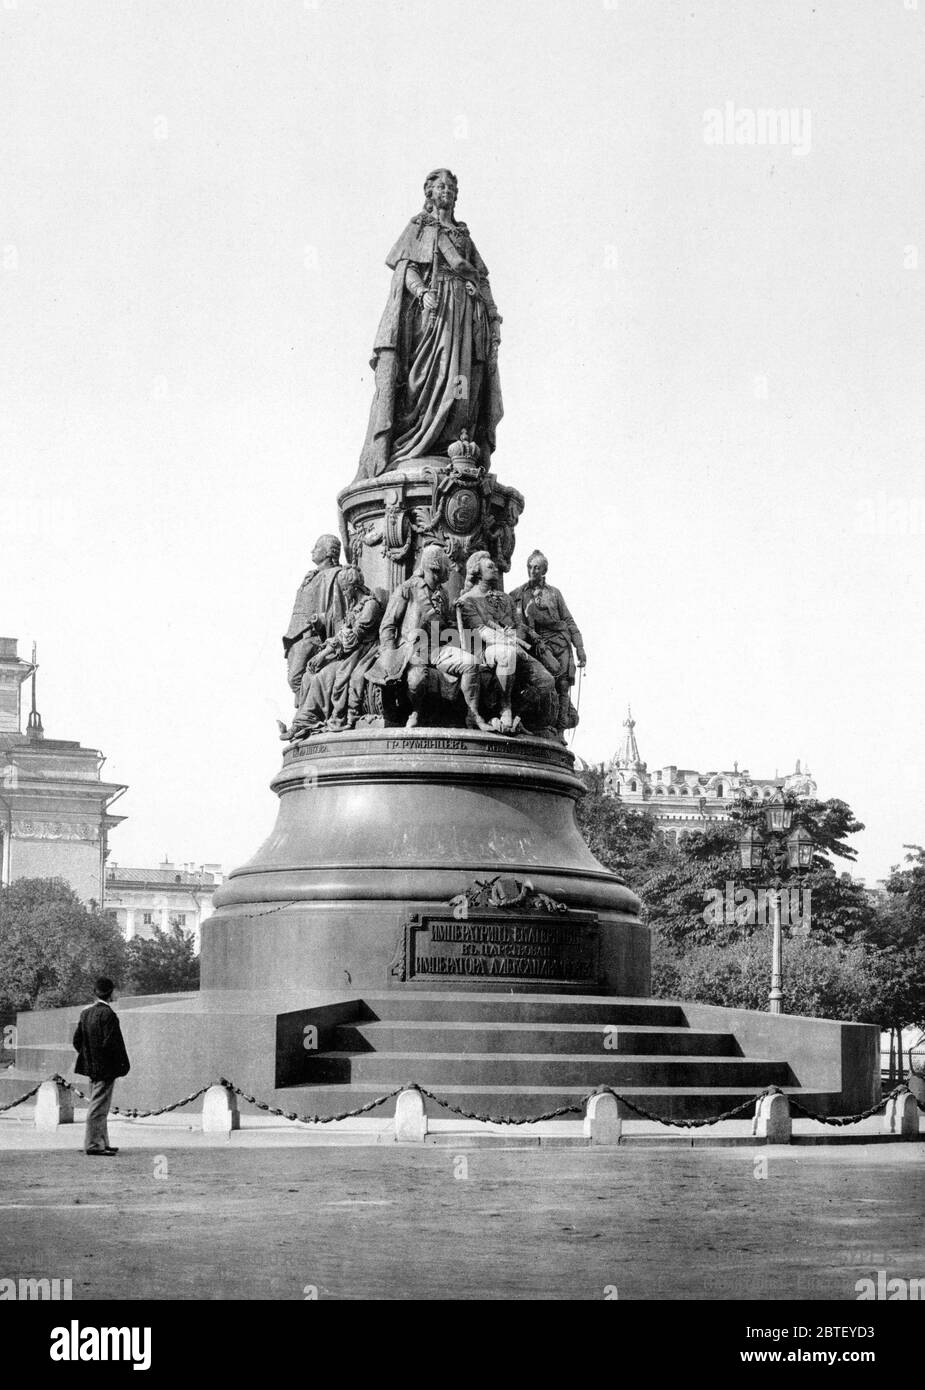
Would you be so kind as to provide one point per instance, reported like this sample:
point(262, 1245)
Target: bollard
point(220, 1111)
point(603, 1124)
point(54, 1105)
point(901, 1115)
point(410, 1120)
point(772, 1119)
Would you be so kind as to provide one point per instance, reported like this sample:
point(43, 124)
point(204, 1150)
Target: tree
point(166, 963)
point(900, 919)
point(856, 982)
point(861, 963)
point(679, 889)
point(898, 933)
point(52, 947)
point(624, 840)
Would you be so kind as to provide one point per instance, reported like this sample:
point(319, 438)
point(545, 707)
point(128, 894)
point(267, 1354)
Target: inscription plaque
point(499, 946)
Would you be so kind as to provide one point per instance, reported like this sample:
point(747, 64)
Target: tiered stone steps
point(523, 1055)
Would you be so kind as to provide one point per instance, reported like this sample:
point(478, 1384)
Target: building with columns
point(682, 799)
point(144, 899)
point(55, 809)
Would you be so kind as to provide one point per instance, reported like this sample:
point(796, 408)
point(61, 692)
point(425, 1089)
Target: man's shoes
point(100, 1153)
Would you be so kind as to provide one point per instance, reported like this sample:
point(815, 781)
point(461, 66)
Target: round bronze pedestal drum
point(379, 830)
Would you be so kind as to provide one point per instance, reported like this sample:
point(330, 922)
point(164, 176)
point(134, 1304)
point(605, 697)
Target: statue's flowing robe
point(434, 373)
point(335, 692)
point(319, 597)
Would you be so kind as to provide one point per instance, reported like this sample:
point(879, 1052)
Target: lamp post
point(796, 850)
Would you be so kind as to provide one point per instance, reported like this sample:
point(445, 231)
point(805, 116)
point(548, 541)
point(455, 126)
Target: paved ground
point(183, 1216)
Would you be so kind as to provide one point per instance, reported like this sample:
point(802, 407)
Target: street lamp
point(751, 847)
point(800, 848)
point(778, 814)
point(796, 850)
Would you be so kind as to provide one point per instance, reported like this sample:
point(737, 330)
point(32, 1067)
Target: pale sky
point(712, 365)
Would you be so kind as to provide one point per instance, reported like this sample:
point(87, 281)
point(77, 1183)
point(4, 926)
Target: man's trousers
point(97, 1134)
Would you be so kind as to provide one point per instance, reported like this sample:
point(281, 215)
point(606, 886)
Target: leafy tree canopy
point(857, 983)
point(681, 887)
point(165, 963)
point(52, 947)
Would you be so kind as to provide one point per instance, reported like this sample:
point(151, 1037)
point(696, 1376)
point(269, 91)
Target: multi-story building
point(172, 894)
point(55, 810)
point(682, 799)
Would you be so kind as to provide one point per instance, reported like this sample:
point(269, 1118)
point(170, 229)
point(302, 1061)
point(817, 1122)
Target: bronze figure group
point(499, 662)
point(444, 644)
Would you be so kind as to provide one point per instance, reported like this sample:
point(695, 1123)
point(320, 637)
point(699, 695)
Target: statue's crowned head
point(441, 189)
point(326, 548)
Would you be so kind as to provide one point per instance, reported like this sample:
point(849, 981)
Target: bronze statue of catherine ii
point(436, 350)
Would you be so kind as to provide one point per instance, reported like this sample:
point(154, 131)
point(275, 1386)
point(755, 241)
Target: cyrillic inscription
point(528, 948)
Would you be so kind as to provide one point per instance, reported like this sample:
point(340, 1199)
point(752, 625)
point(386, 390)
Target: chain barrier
point(28, 1096)
point(164, 1110)
point(131, 1113)
point(578, 1108)
point(839, 1120)
point(501, 1119)
point(691, 1124)
point(312, 1119)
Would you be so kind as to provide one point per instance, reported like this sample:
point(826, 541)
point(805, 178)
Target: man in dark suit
point(101, 1056)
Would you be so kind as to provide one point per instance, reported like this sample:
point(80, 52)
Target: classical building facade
point(55, 809)
point(682, 799)
point(144, 899)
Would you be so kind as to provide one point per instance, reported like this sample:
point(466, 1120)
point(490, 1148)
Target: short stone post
point(54, 1105)
point(603, 1124)
point(220, 1113)
point(410, 1120)
point(901, 1115)
point(772, 1119)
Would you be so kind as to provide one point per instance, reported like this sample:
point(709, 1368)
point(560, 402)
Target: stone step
point(408, 1035)
point(463, 1006)
point(536, 1069)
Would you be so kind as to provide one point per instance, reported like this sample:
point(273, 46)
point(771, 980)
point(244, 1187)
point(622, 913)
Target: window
point(719, 789)
point(148, 919)
point(179, 918)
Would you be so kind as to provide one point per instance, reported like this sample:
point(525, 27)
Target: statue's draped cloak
point(545, 610)
point(321, 596)
point(417, 357)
